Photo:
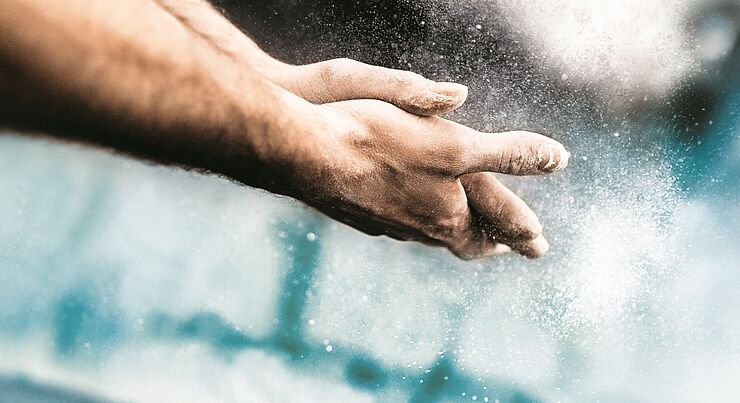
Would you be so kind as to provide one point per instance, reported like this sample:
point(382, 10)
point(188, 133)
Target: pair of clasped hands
point(175, 82)
point(408, 173)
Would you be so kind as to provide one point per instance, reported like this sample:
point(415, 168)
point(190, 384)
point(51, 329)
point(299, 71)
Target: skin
point(324, 82)
point(175, 82)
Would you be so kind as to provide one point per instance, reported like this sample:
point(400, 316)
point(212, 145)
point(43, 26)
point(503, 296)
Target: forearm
point(322, 82)
point(129, 76)
point(213, 27)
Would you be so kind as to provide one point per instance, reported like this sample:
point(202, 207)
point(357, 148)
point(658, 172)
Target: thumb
point(345, 79)
point(514, 153)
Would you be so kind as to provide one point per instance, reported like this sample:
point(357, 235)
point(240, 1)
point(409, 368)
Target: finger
point(506, 214)
point(532, 248)
point(484, 241)
point(477, 242)
point(477, 247)
point(501, 249)
point(510, 220)
point(476, 251)
point(513, 153)
point(346, 79)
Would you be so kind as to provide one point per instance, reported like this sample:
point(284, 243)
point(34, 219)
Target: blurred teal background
point(126, 281)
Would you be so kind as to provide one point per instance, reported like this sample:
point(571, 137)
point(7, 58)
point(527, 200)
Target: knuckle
point(329, 78)
point(517, 159)
point(522, 158)
point(453, 159)
point(337, 78)
point(343, 63)
point(514, 160)
point(333, 70)
point(342, 60)
point(327, 71)
point(348, 67)
point(405, 79)
point(456, 153)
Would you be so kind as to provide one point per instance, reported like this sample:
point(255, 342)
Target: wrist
point(285, 149)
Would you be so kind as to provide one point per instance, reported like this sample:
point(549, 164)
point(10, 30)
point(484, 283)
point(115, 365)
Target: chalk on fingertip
point(553, 158)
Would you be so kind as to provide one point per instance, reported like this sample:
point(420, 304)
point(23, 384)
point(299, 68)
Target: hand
point(387, 172)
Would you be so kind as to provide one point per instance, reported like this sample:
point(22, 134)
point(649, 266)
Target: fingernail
point(450, 90)
point(553, 158)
